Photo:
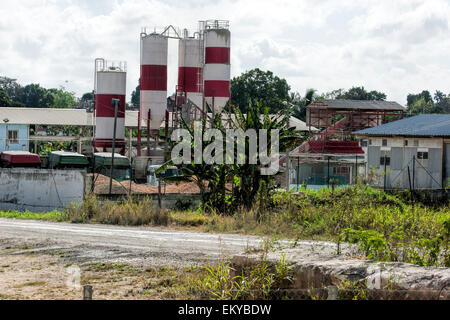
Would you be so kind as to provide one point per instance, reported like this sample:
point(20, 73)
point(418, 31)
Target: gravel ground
point(140, 246)
point(102, 187)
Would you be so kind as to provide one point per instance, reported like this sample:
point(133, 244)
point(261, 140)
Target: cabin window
point(341, 171)
point(385, 158)
point(13, 136)
point(384, 143)
point(422, 155)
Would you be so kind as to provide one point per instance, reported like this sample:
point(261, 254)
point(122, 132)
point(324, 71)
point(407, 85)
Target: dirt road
point(134, 245)
point(36, 258)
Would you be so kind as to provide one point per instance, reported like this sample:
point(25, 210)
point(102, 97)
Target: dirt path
point(45, 260)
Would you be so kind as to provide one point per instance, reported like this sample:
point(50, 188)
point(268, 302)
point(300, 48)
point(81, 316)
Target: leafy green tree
point(300, 103)
point(63, 99)
point(358, 93)
point(210, 179)
point(88, 96)
point(425, 94)
point(87, 100)
point(420, 106)
point(5, 101)
point(136, 96)
point(225, 187)
point(423, 103)
point(34, 96)
point(257, 85)
point(11, 87)
point(442, 102)
point(248, 178)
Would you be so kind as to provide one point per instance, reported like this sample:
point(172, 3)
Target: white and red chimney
point(110, 83)
point(190, 69)
point(216, 74)
point(154, 50)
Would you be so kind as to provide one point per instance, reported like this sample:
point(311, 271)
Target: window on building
point(363, 143)
point(13, 136)
point(385, 158)
point(406, 143)
point(341, 171)
point(384, 143)
point(422, 155)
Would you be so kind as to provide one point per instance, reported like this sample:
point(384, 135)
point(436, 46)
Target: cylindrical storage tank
point(110, 83)
point(190, 69)
point(216, 73)
point(154, 49)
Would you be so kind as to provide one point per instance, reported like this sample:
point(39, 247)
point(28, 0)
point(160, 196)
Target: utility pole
point(328, 172)
point(7, 134)
point(414, 173)
point(385, 173)
point(288, 160)
point(288, 177)
point(149, 116)
point(115, 103)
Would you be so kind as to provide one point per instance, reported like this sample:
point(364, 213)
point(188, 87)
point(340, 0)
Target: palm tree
point(225, 187)
point(300, 103)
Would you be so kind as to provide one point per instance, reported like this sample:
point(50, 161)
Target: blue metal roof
point(420, 125)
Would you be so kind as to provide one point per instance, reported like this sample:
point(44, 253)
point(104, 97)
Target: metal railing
point(214, 24)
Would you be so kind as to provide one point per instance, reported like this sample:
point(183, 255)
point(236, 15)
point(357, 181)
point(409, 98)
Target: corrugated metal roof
point(44, 116)
point(79, 117)
point(420, 125)
point(357, 104)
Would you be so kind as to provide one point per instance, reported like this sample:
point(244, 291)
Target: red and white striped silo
point(154, 50)
point(216, 73)
point(190, 69)
point(110, 83)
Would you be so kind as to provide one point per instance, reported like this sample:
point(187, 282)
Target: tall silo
point(216, 74)
point(154, 50)
point(110, 83)
point(190, 69)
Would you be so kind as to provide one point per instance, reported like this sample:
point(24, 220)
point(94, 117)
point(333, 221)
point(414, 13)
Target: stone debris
point(123, 187)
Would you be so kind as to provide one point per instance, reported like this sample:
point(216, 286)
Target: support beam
point(80, 133)
point(130, 144)
point(35, 141)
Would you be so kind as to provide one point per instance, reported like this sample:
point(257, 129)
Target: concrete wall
point(22, 137)
point(40, 190)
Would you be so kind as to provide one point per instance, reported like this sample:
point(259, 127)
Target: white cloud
point(397, 47)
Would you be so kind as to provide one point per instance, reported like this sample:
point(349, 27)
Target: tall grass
point(127, 212)
point(386, 227)
point(255, 281)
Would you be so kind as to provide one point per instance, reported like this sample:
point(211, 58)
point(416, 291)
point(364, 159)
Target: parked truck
point(67, 160)
point(20, 159)
point(142, 163)
point(102, 165)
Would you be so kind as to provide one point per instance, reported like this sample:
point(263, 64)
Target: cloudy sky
point(394, 46)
